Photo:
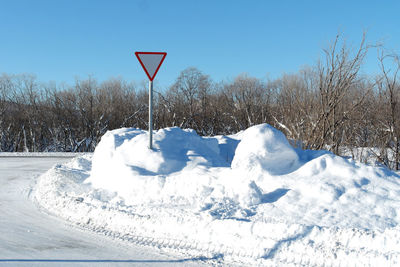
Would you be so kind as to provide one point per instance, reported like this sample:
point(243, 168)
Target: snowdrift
point(249, 198)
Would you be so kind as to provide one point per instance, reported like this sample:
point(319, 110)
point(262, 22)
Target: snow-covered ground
point(248, 198)
point(30, 237)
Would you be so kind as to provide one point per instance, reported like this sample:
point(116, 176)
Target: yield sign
point(151, 62)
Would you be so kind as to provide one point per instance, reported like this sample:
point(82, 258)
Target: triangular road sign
point(151, 62)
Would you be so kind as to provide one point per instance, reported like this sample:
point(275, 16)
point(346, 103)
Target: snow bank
point(249, 198)
point(267, 148)
point(175, 170)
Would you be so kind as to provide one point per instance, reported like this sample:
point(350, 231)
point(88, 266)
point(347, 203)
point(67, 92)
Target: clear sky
point(60, 40)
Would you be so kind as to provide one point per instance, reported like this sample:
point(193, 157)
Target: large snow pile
point(249, 198)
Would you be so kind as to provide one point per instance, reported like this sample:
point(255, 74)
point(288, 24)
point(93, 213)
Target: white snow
point(267, 148)
point(248, 198)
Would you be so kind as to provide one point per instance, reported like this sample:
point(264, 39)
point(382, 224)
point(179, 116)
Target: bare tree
point(295, 104)
point(337, 75)
point(249, 101)
point(389, 92)
point(191, 91)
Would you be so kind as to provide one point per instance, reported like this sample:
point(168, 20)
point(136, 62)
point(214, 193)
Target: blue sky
point(61, 40)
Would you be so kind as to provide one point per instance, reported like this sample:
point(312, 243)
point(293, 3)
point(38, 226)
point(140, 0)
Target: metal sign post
point(151, 114)
point(151, 63)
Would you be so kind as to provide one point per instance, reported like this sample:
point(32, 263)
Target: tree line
point(326, 106)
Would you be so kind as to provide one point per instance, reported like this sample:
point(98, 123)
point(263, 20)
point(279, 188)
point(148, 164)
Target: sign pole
point(150, 114)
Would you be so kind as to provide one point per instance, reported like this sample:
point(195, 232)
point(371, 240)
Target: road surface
point(29, 237)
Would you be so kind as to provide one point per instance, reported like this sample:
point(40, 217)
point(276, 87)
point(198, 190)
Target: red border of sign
point(152, 53)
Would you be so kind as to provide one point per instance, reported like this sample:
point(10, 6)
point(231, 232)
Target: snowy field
point(30, 237)
point(245, 199)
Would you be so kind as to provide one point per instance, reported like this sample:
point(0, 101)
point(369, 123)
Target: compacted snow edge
point(231, 241)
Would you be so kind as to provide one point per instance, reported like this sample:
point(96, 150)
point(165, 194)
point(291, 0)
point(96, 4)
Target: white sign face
point(151, 62)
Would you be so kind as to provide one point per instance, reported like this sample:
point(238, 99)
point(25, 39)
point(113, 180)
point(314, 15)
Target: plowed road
point(29, 237)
